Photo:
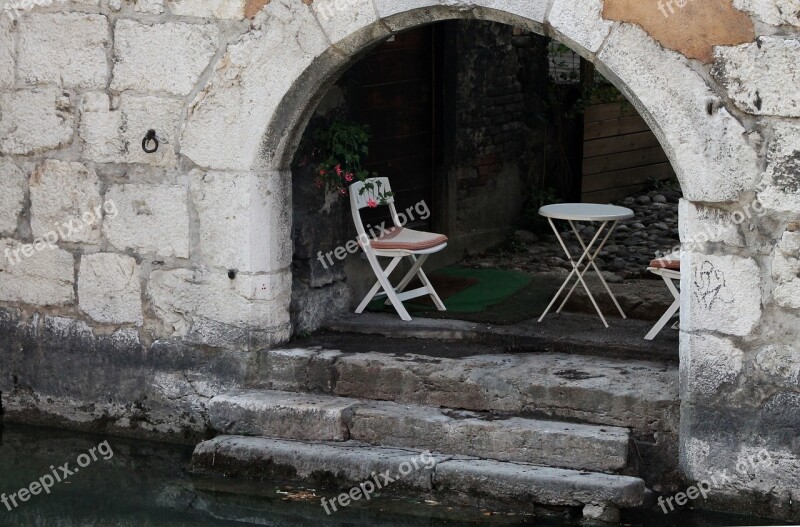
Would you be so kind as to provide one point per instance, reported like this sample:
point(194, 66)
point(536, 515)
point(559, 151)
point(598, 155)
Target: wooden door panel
point(391, 91)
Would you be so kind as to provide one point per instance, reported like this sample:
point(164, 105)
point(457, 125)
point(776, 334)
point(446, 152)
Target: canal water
point(108, 481)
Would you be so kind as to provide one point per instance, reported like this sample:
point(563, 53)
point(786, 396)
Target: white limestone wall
point(80, 85)
point(194, 241)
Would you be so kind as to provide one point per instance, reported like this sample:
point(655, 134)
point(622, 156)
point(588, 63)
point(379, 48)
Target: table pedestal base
point(589, 255)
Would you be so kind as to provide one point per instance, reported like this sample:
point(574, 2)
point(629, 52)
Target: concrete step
point(563, 333)
point(371, 469)
point(640, 395)
point(325, 418)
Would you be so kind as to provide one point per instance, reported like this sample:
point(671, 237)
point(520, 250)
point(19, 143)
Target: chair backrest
point(379, 185)
point(359, 199)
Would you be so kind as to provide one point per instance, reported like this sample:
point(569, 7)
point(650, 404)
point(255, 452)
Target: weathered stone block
point(786, 271)
point(109, 288)
point(216, 308)
point(38, 275)
point(34, 121)
point(68, 49)
point(7, 52)
point(774, 12)
point(779, 189)
point(155, 7)
point(225, 9)
point(165, 57)
point(115, 135)
point(388, 8)
point(692, 29)
point(724, 293)
point(251, 80)
point(700, 224)
point(567, 387)
point(12, 198)
point(781, 361)
point(281, 414)
point(65, 201)
point(242, 219)
point(143, 211)
point(601, 513)
point(761, 77)
point(524, 14)
point(709, 149)
point(342, 18)
point(348, 463)
point(707, 363)
point(532, 484)
point(311, 307)
point(297, 370)
point(549, 443)
point(580, 25)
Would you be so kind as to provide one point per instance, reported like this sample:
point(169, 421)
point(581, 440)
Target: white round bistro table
point(609, 216)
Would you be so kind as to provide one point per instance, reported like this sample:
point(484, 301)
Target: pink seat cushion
point(408, 240)
point(667, 262)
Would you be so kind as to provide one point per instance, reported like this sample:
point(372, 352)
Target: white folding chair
point(669, 269)
point(397, 243)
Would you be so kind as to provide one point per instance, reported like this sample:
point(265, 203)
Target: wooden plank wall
point(621, 155)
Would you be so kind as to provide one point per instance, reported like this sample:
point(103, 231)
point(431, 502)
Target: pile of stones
point(652, 232)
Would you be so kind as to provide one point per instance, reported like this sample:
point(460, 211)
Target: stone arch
point(257, 118)
point(248, 118)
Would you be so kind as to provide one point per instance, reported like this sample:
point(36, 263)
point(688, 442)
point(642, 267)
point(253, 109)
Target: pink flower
point(338, 170)
point(348, 177)
point(322, 172)
point(371, 203)
point(342, 191)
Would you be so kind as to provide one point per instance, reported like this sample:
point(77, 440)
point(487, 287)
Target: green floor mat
point(480, 295)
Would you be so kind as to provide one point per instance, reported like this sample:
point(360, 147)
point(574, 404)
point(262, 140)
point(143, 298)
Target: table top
point(585, 212)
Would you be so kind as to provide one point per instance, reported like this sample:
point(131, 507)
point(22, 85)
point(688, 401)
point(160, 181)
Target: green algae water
point(76, 479)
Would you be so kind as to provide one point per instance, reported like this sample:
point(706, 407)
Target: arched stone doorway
point(246, 122)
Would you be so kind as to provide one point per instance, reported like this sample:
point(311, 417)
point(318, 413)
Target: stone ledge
point(323, 418)
point(352, 463)
point(638, 394)
point(281, 414)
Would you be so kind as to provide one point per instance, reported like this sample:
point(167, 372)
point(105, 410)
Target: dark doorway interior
point(482, 122)
point(391, 90)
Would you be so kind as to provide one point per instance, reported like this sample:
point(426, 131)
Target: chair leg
point(667, 316)
point(416, 270)
point(411, 272)
point(431, 291)
point(383, 281)
point(663, 320)
point(376, 288)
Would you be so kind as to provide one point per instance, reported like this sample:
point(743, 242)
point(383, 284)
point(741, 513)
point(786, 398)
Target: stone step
point(564, 333)
point(326, 418)
point(372, 469)
point(640, 395)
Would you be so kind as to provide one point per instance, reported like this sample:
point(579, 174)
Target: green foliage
point(660, 185)
point(595, 89)
point(340, 149)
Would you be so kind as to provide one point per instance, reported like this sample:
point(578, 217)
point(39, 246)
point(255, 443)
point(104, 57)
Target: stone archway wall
point(194, 241)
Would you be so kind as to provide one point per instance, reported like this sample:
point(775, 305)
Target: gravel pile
point(653, 231)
